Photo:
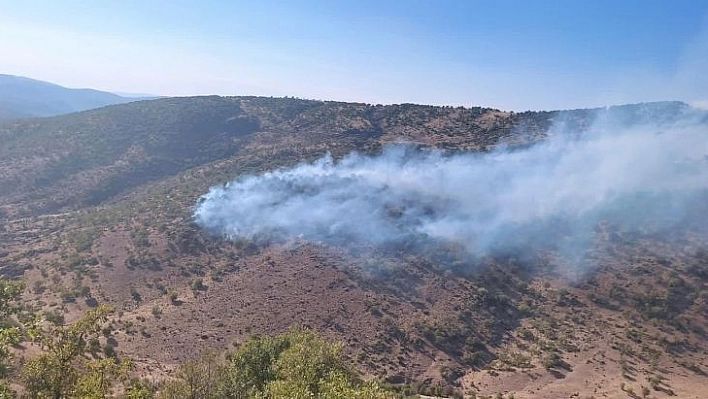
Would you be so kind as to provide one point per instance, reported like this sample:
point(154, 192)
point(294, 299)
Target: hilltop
point(97, 207)
point(85, 159)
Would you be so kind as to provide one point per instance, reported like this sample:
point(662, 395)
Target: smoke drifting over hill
point(552, 193)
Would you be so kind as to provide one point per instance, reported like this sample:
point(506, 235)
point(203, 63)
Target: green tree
point(252, 367)
point(307, 362)
point(200, 378)
point(139, 390)
point(63, 370)
point(97, 378)
point(10, 333)
point(335, 385)
point(290, 366)
point(310, 367)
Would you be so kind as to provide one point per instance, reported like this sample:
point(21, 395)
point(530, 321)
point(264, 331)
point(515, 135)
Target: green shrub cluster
point(294, 365)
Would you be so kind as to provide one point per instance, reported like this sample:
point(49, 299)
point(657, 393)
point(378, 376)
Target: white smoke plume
point(636, 177)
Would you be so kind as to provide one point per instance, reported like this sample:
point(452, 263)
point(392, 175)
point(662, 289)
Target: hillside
point(98, 206)
point(22, 97)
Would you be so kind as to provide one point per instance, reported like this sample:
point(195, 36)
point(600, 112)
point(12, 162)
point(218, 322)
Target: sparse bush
point(109, 351)
point(135, 294)
point(198, 284)
point(525, 333)
point(94, 345)
point(38, 287)
point(55, 317)
point(552, 360)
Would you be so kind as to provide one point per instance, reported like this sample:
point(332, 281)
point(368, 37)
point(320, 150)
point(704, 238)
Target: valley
point(98, 207)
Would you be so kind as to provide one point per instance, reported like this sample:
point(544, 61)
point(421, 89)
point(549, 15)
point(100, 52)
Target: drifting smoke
point(638, 177)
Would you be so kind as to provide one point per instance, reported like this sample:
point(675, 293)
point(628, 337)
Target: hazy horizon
point(506, 55)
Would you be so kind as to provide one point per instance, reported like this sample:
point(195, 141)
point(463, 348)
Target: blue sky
point(513, 55)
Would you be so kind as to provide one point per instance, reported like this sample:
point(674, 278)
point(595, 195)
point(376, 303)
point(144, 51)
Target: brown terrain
point(96, 207)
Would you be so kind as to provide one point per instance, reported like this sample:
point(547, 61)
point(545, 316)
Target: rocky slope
point(97, 207)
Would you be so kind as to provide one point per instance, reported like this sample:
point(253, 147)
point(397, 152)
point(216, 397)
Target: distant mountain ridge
point(22, 97)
